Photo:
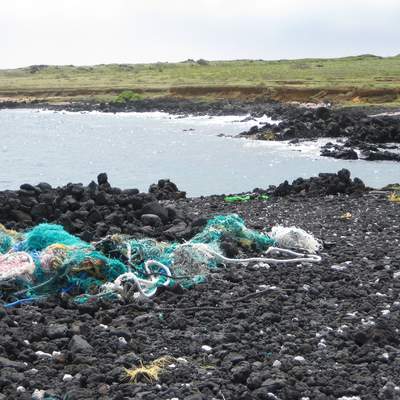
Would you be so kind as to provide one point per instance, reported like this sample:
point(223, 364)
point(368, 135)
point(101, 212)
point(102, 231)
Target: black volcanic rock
point(324, 184)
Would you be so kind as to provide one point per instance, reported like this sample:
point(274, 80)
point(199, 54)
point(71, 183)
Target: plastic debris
point(48, 260)
point(19, 264)
point(394, 197)
point(346, 216)
point(150, 372)
point(240, 198)
point(295, 238)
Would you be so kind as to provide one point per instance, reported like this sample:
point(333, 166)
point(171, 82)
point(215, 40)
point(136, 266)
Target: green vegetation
point(363, 79)
point(126, 96)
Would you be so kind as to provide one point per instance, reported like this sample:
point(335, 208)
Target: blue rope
point(21, 301)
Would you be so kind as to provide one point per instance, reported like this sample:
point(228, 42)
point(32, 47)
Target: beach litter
point(394, 197)
point(47, 260)
point(150, 372)
point(244, 198)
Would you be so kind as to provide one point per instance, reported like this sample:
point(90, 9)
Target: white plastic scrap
point(38, 394)
point(295, 238)
point(42, 354)
point(349, 398)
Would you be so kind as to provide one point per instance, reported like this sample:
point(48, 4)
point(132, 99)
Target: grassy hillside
point(352, 79)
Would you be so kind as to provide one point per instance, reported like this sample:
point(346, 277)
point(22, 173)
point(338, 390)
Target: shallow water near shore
point(137, 149)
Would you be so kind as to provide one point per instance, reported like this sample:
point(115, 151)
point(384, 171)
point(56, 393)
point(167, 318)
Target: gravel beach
point(306, 331)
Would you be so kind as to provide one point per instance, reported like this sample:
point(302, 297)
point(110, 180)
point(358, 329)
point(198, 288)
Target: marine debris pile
point(48, 260)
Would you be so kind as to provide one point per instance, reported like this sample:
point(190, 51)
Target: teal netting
point(44, 235)
point(64, 263)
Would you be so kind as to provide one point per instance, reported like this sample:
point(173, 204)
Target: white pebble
point(299, 359)
point(277, 364)
point(102, 326)
point(26, 342)
point(67, 378)
point(21, 389)
point(206, 348)
point(396, 275)
point(182, 360)
point(33, 371)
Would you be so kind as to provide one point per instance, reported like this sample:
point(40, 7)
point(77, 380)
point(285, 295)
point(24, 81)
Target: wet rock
point(340, 153)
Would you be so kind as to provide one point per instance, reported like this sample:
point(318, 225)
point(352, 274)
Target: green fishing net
point(64, 263)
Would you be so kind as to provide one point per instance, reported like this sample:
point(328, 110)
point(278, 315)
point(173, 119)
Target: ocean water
point(137, 149)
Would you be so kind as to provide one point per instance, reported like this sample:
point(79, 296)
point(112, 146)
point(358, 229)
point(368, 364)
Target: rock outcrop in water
point(367, 134)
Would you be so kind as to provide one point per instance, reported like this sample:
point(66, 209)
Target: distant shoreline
point(359, 80)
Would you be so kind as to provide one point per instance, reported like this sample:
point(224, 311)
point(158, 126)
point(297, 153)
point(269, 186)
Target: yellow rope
point(394, 197)
point(151, 372)
point(10, 232)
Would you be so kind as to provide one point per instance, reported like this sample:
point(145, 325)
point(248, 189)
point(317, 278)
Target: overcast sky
point(86, 32)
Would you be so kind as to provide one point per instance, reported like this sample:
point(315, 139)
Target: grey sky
point(106, 31)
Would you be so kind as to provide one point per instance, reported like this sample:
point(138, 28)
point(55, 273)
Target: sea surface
point(137, 149)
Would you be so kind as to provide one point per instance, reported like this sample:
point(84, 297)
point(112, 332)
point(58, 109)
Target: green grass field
point(364, 79)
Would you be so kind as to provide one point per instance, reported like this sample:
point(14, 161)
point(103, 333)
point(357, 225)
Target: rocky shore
point(368, 133)
point(361, 135)
point(252, 331)
point(181, 107)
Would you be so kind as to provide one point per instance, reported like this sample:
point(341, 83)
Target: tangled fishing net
point(48, 260)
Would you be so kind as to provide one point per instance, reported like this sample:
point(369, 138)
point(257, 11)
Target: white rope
point(144, 284)
point(299, 256)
